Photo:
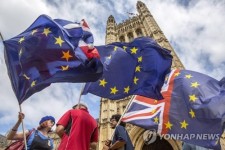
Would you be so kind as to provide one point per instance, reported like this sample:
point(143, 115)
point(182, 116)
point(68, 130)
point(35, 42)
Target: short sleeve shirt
point(122, 135)
point(83, 130)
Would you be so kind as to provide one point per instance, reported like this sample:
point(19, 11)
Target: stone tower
point(139, 25)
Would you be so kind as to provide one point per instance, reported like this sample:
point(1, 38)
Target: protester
point(38, 138)
point(121, 139)
point(77, 129)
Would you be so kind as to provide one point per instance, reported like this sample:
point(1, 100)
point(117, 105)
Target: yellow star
point(177, 74)
point(113, 90)
point(115, 48)
point(138, 69)
point(184, 124)
point(192, 98)
point(135, 80)
point(66, 55)
point(59, 41)
point(153, 111)
point(216, 142)
point(168, 125)
point(34, 31)
point(195, 84)
point(156, 120)
point(155, 101)
point(126, 89)
point(140, 59)
point(64, 68)
point(46, 31)
point(124, 48)
point(188, 76)
point(134, 50)
point(21, 40)
point(102, 82)
point(26, 77)
point(33, 83)
point(192, 113)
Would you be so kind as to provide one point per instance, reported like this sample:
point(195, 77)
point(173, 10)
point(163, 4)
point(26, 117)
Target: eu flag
point(48, 52)
point(192, 109)
point(138, 67)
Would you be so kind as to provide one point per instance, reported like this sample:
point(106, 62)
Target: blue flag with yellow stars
point(48, 52)
point(192, 110)
point(138, 67)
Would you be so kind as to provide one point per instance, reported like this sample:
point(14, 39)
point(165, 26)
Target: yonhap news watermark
point(151, 136)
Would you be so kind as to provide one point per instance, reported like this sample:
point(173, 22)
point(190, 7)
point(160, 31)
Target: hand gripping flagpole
point(24, 135)
point(125, 110)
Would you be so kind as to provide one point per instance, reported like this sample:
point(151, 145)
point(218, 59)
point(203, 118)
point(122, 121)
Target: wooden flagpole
point(24, 135)
point(82, 89)
point(125, 110)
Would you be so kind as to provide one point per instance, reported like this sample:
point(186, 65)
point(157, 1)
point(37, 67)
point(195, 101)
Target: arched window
point(130, 36)
point(122, 39)
point(139, 33)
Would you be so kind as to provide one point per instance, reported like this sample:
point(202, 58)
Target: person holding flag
point(121, 139)
point(37, 139)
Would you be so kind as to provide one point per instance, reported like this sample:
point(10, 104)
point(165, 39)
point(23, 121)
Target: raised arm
point(13, 135)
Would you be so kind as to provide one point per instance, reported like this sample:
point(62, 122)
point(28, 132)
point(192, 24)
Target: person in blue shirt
point(121, 139)
point(37, 139)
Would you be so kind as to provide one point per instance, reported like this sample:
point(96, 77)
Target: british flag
point(149, 113)
point(192, 109)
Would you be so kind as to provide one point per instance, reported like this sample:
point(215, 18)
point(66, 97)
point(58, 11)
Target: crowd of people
point(77, 129)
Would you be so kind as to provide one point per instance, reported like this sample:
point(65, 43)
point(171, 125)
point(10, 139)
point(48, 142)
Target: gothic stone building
point(139, 25)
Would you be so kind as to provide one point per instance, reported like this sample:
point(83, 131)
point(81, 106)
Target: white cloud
point(16, 16)
point(197, 31)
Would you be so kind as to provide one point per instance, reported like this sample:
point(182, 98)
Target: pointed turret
point(142, 8)
point(110, 30)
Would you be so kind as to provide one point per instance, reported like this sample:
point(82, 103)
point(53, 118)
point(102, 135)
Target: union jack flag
point(149, 113)
point(192, 109)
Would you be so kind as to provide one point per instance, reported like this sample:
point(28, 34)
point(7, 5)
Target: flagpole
point(128, 105)
point(82, 89)
point(1, 37)
point(24, 135)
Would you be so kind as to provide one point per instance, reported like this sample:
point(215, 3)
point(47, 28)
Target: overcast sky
point(195, 29)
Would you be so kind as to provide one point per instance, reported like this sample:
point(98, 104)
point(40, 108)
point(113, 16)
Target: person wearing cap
point(77, 129)
point(38, 138)
point(121, 139)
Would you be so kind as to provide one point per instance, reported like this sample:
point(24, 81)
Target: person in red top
point(77, 129)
